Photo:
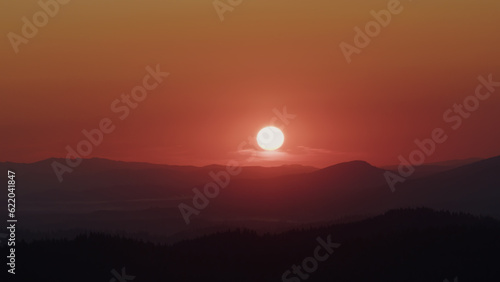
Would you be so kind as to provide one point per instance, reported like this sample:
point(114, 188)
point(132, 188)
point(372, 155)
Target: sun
point(270, 138)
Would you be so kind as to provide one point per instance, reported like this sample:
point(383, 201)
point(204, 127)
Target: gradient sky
point(227, 77)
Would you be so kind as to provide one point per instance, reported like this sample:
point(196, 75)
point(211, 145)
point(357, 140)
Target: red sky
point(227, 77)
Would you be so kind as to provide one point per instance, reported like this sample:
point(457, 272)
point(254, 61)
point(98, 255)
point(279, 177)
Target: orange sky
point(227, 77)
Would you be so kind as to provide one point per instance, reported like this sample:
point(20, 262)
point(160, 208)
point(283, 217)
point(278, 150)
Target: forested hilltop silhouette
point(401, 245)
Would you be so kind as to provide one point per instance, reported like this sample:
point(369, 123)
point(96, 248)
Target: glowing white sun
point(270, 138)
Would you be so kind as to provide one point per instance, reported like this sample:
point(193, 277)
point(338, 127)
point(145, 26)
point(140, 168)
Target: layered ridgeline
point(110, 196)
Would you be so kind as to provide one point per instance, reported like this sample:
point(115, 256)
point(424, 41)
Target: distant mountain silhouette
point(336, 190)
point(357, 188)
point(104, 195)
point(473, 188)
point(97, 172)
point(433, 168)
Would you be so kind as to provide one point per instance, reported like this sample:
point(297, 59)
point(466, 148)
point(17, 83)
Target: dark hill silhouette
point(402, 245)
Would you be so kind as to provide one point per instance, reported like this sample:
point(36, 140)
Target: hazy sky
point(226, 77)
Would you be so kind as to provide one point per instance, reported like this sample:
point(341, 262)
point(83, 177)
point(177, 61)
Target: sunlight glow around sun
point(270, 138)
